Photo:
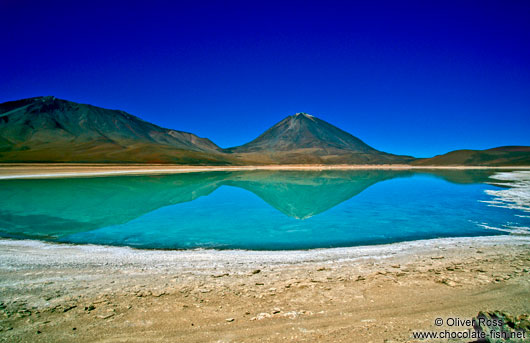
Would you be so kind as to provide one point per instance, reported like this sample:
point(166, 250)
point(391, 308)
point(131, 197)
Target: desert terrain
point(65, 293)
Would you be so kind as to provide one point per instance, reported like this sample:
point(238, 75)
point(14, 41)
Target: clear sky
point(407, 77)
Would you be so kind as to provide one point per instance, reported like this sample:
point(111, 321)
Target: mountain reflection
point(51, 208)
point(303, 194)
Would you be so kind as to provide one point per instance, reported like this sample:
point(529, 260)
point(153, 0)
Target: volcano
point(303, 138)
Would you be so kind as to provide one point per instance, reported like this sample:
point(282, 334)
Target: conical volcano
point(303, 138)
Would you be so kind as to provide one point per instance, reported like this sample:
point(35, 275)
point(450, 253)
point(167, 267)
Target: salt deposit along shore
point(66, 293)
point(10, 171)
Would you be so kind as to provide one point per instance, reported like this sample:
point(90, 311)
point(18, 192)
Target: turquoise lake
point(259, 210)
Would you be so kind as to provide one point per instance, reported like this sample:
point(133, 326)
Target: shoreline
point(121, 254)
point(52, 170)
point(62, 293)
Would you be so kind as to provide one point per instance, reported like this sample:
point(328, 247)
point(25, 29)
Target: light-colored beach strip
point(64, 293)
point(55, 170)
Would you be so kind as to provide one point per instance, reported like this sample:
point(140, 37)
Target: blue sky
point(407, 77)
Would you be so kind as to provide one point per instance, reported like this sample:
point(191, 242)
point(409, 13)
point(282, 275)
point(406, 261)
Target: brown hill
point(302, 138)
point(47, 129)
point(501, 156)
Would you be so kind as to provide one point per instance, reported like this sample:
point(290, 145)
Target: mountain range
point(47, 129)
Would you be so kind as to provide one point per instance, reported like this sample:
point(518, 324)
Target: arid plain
point(65, 293)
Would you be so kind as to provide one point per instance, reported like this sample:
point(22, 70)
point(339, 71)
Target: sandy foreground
point(49, 170)
point(66, 293)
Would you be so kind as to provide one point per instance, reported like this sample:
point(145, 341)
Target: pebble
point(220, 275)
point(230, 319)
point(261, 316)
point(68, 308)
point(107, 316)
point(449, 283)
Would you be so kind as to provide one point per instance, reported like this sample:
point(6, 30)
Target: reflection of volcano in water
point(56, 207)
point(303, 194)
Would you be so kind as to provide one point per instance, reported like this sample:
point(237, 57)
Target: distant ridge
point(501, 156)
point(47, 129)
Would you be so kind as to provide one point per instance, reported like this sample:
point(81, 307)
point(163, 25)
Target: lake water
point(266, 210)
